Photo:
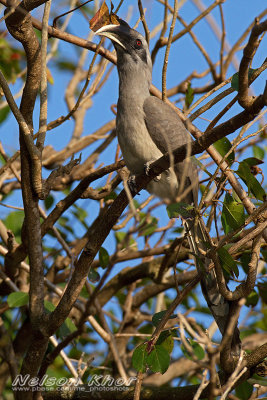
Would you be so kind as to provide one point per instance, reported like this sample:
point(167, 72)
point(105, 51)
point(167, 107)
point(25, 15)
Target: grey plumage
point(146, 129)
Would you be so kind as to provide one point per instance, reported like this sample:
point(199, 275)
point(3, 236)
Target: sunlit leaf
point(251, 161)
point(158, 359)
point(139, 358)
point(166, 340)
point(197, 350)
point(120, 236)
point(49, 306)
point(14, 222)
point(49, 75)
point(17, 299)
point(223, 146)
point(233, 215)
point(258, 152)
point(189, 95)
point(253, 185)
point(103, 17)
point(174, 210)
point(252, 299)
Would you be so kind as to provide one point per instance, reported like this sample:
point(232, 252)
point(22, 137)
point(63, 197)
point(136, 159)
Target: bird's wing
point(164, 125)
point(168, 133)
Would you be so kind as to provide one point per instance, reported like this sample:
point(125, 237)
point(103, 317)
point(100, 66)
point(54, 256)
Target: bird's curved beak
point(112, 32)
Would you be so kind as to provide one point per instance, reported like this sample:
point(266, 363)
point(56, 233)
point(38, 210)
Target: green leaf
point(124, 239)
point(49, 201)
point(223, 146)
point(149, 228)
point(66, 65)
point(253, 185)
point(139, 358)
point(227, 261)
point(196, 349)
point(251, 161)
point(166, 340)
point(233, 215)
point(264, 254)
point(93, 275)
point(252, 299)
point(14, 222)
point(157, 318)
point(235, 78)
point(2, 160)
point(110, 196)
point(103, 257)
point(200, 165)
point(258, 152)
point(158, 359)
point(66, 328)
point(120, 236)
point(17, 299)
point(245, 260)
point(258, 380)
point(49, 306)
point(174, 210)
point(4, 113)
point(262, 286)
point(79, 212)
point(189, 96)
point(235, 81)
point(244, 390)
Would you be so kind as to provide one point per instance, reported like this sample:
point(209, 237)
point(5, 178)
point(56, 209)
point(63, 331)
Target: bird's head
point(131, 47)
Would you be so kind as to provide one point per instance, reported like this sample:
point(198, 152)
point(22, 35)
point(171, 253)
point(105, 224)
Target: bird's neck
point(134, 84)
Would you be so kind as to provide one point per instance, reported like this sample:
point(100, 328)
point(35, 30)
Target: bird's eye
point(138, 43)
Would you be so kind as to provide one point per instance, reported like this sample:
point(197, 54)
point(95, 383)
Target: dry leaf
point(103, 17)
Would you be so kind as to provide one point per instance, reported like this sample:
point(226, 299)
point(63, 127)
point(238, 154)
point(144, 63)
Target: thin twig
point(138, 386)
point(43, 84)
point(165, 64)
point(142, 15)
point(222, 42)
point(204, 383)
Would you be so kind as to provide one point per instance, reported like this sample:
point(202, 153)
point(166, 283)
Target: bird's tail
point(218, 305)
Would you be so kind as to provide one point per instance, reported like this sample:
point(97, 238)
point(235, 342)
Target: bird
point(146, 129)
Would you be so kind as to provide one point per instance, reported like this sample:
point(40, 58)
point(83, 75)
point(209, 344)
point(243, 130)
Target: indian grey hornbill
point(146, 129)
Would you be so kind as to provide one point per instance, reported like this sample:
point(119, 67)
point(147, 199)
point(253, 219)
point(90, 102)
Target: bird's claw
point(132, 184)
point(147, 168)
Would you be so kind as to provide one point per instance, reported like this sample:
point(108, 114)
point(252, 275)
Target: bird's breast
point(136, 144)
point(138, 149)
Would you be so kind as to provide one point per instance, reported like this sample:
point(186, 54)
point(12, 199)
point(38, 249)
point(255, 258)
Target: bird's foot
point(132, 184)
point(147, 168)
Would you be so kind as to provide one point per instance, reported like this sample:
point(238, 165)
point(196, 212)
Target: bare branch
point(243, 98)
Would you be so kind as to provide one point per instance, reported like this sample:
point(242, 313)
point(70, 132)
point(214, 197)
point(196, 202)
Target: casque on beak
point(112, 32)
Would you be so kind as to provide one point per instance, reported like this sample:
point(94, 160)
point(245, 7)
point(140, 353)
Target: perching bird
point(146, 129)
